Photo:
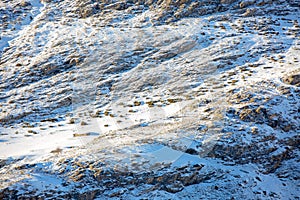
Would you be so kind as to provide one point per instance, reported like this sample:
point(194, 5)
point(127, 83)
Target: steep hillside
point(149, 99)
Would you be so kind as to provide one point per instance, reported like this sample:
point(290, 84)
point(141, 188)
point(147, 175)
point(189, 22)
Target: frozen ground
point(149, 99)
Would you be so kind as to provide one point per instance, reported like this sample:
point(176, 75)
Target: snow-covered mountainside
point(156, 99)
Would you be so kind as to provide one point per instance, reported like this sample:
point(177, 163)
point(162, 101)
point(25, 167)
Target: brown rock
point(83, 123)
point(292, 79)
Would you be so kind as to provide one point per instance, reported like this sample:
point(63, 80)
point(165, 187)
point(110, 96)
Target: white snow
point(171, 79)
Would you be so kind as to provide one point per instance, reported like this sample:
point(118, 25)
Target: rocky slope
point(150, 99)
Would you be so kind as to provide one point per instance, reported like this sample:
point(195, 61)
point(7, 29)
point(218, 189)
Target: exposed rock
point(292, 79)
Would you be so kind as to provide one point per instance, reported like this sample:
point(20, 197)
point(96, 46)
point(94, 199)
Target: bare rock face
point(168, 11)
point(292, 79)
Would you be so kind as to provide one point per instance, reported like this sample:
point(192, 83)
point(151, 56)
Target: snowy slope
point(150, 99)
